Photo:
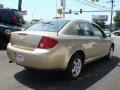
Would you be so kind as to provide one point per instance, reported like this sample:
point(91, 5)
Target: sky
point(46, 9)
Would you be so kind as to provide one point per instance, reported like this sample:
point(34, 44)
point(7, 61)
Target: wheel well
point(81, 53)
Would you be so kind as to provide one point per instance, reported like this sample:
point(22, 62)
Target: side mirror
point(108, 34)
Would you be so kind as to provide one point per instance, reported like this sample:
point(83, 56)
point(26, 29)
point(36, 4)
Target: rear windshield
point(51, 26)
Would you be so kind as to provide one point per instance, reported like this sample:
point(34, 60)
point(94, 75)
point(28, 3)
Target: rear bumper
point(38, 59)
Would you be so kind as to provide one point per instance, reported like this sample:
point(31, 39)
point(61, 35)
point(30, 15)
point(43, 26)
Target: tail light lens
point(14, 19)
point(47, 43)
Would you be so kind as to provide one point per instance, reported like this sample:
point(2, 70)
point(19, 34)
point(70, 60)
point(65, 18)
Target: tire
point(74, 67)
point(110, 54)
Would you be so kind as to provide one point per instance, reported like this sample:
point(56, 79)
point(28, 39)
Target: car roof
point(72, 20)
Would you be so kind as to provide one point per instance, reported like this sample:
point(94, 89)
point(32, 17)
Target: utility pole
point(20, 5)
point(64, 6)
point(112, 2)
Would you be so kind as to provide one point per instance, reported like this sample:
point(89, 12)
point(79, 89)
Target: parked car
point(115, 33)
point(59, 45)
point(11, 17)
point(10, 20)
point(5, 31)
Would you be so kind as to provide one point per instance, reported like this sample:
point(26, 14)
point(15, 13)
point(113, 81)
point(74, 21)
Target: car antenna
point(56, 16)
point(57, 26)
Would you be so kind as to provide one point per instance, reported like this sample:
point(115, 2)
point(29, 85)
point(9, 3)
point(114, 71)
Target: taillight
point(47, 43)
point(14, 19)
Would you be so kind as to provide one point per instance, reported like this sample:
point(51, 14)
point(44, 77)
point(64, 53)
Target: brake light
point(14, 19)
point(47, 43)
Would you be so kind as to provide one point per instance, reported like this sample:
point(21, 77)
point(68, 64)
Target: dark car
point(11, 17)
point(10, 20)
point(5, 31)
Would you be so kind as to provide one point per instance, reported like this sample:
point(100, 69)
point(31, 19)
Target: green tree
point(117, 19)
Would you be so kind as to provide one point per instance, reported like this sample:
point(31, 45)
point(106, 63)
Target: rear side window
point(5, 13)
point(86, 29)
point(5, 16)
point(77, 29)
point(51, 26)
point(98, 32)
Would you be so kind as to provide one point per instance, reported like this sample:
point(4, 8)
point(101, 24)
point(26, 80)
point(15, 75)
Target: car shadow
point(53, 80)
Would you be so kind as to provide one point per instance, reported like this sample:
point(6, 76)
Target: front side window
point(86, 29)
point(50, 26)
point(97, 31)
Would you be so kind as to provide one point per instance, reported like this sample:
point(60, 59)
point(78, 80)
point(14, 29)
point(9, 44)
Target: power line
point(96, 11)
point(89, 5)
point(96, 4)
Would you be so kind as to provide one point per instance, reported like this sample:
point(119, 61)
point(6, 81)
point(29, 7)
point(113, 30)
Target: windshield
point(51, 26)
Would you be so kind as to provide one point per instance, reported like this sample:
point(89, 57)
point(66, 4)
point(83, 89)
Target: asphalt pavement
point(98, 75)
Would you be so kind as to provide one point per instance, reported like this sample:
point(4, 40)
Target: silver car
point(59, 45)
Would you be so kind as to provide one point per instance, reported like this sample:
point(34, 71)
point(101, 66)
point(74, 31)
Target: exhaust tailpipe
point(10, 61)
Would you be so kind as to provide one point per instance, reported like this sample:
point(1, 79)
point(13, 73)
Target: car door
point(90, 40)
point(102, 42)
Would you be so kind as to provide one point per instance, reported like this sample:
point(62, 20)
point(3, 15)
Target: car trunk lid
point(28, 40)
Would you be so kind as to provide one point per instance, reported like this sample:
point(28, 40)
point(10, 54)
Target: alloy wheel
point(76, 67)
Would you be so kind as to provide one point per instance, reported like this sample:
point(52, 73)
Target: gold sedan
point(59, 44)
